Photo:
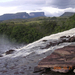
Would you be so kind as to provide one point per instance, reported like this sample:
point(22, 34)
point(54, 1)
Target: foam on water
point(28, 56)
point(35, 46)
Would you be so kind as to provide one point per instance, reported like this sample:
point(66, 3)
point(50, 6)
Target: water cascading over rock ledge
point(23, 60)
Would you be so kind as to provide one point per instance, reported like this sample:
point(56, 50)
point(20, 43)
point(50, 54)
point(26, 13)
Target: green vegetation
point(29, 30)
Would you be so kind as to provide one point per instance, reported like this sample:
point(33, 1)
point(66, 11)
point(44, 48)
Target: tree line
point(34, 31)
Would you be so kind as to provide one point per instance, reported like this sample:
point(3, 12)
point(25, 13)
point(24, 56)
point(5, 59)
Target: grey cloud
point(61, 3)
point(22, 2)
point(40, 3)
point(31, 5)
point(22, 5)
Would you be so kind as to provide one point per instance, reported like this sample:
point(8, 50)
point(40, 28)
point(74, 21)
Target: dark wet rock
point(59, 42)
point(38, 54)
point(61, 60)
point(13, 67)
point(68, 38)
point(64, 40)
point(22, 72)
point(44, 40)
point(72, 39)
point(30, 67)
point(63, 37)
point(16, 73)
point(9, 52)
point(3, 71)
point(47, 46)
point(24, 56)
point(37, 69)
point(1, 55)
point(55, 43)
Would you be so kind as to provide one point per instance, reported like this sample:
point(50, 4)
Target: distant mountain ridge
point(36, 14)
point(21, 15)
point(67, 14)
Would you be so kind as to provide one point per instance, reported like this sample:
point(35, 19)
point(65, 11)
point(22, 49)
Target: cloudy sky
point(50, 7)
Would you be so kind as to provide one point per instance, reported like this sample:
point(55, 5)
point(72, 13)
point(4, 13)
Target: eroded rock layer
point(61, 60)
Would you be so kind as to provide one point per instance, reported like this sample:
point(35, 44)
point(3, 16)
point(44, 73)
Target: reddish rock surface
point(61, 60)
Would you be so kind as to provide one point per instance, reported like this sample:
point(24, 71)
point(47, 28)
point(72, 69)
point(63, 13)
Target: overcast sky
point(50, 7)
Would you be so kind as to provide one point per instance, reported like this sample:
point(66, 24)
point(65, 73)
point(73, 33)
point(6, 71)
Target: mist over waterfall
point(6, 44)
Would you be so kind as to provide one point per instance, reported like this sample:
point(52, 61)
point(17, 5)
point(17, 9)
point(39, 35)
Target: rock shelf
point(61, 60)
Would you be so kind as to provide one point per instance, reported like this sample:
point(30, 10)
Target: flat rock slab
point(61, 60)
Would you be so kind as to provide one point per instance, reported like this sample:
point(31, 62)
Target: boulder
point(72, 39)
point(9, 52)
point(1, 55)
point(44, 40)
point(67, 38)
point(63, 37)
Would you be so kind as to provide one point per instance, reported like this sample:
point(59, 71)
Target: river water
point(26, 57)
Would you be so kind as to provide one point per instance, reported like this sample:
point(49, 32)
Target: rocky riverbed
point(22, 65)
point(22, 61)
point(62, 60)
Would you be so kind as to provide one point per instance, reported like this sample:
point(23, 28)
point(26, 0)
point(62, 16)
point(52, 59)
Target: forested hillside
point(29, 30)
